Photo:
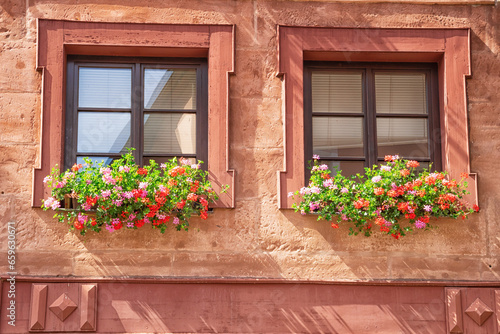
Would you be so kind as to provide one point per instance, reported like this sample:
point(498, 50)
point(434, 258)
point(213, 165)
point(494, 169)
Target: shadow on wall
point(273, 308)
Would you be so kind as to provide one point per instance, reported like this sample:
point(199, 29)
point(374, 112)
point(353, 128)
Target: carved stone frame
point(449, 48)
point(57, 39)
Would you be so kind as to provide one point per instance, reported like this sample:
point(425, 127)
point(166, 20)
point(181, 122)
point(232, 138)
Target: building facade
point(254, 265)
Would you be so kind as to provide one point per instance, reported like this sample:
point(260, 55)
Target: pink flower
point(386, 168)
point(82, 218)
point(68, 175)
point(61, 184)
point(195, 166)
point(105, 193)
point(47, 179)
point(313, 206)
point(105, 170)
point(108, 179)
point(428, 208)
point(420, 224)
point(290, 194)
point(128, 194)
point(125, 169)
point(376, 179)
point(143, 185)
point(117, 202)
point(52, 203)
point(315, 190)
point(344, 190)
point(176, 221)
point(305, 191)
point(316, 157)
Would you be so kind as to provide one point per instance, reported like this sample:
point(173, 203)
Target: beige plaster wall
point(255, 239)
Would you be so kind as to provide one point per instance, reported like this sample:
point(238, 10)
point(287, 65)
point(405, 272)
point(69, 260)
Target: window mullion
point(137, 113)
point(71, 115)
point(370, 118)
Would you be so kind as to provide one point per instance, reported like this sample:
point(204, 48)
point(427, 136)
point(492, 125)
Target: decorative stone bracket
point(473, 310)
point(72, 307)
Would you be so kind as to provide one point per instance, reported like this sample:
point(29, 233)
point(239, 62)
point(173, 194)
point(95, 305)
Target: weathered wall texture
point(255, 239)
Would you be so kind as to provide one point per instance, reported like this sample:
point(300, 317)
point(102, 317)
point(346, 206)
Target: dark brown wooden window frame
point(369, 113)
point(137, 110)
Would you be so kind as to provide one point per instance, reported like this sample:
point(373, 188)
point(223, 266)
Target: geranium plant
point(394, 197)
point(124, 195)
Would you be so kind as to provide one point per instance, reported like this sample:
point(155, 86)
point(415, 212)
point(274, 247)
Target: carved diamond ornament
point(479, 311)
point(63, 306)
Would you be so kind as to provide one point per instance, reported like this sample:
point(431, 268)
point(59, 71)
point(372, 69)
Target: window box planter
point(124, 195)
point(394, 197)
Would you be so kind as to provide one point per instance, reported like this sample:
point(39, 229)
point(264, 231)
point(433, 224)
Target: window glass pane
point(103, 132)
point(95, 160)
point(104, 87)
point(407, 137)
point(400, 93)
point(170, 133)
point(338, 136)
point(337, 92)
point(170, 89)
point(347, 167)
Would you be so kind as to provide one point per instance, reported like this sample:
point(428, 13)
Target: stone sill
point(248, 280)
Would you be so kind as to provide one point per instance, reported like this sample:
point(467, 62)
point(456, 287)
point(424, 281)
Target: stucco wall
point(255, 239)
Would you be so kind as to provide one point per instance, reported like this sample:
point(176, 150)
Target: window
point(158, 108)
point(355, 114)
point(163, 46)
point(447, 49)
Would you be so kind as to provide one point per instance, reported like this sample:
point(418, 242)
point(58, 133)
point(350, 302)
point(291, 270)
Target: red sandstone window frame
point(449, 48)
point(58, 39)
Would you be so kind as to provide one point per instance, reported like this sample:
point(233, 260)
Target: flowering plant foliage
point(386, 196)
point(124, 195)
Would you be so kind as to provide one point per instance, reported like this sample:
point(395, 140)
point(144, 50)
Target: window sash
point(196, 116)
point(370, 117)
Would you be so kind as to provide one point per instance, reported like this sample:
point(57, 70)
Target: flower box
point(386, 196)
point(123, 195)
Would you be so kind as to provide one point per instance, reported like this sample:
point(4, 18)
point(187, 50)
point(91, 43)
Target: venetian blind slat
point(170, 89)
point(337, 92)
point(400, 93)
point(170, 133)
point(404, 136)
point(104, 87)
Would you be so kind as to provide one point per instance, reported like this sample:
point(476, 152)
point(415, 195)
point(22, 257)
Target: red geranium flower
point(412, 164)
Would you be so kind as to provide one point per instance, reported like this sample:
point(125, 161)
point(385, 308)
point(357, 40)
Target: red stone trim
point(454, 311)
point(38, 306)
point(450, 48)
point(57, 39)
point(209, 280)
point(88, 307)
point(221, 305)
point(497, 309)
